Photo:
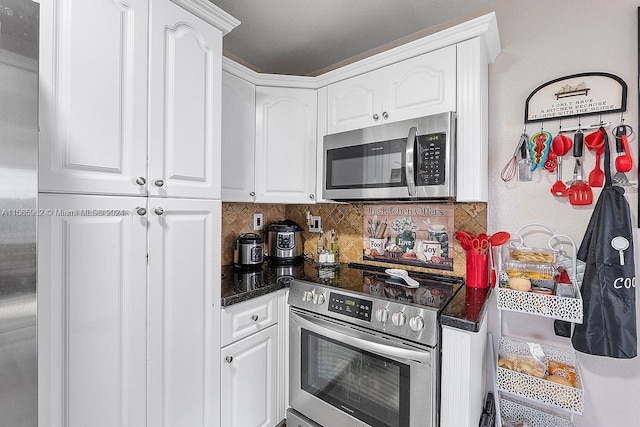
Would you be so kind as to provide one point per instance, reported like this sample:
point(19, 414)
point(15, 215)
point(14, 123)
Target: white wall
point(543, 40)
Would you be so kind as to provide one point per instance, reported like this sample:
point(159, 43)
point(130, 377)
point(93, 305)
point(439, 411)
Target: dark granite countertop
point(465, 311)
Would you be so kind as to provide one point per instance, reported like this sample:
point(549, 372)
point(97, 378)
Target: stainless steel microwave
point(411, 159)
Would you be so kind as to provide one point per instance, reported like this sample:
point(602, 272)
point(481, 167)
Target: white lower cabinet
point(254, 372)
point(249, 389)
point(120, 345)
point(184, 286)
point(91, 311)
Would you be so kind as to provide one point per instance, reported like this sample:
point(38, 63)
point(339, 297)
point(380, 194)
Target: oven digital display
point(352, 307)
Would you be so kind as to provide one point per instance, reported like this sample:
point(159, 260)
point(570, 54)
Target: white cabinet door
point(355, 103)
point(285, 145)
point(93, 96)
point(249, 375)
point(420, 86)
point(184, 104)
point(91, 311)
point(184, 286)
point(238, 139)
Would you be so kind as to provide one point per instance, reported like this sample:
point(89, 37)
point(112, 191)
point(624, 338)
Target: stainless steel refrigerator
point(19, 25)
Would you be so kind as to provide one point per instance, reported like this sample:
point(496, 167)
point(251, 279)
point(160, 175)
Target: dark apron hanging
point(608, 287)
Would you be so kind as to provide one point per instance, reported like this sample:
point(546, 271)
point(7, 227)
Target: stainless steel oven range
point(364, 350)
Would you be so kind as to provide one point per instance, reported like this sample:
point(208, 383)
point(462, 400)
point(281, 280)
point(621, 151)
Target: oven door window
point(367, 386)
point(374, 165)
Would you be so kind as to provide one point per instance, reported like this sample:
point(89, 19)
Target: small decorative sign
point(576, 95)
point(419, 235)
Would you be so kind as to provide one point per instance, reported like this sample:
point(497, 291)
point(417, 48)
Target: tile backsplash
point(346, 219)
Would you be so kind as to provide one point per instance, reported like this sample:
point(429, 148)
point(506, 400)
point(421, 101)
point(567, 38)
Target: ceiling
point(309, 37)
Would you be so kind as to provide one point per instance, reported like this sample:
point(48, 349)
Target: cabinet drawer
point(243, 319)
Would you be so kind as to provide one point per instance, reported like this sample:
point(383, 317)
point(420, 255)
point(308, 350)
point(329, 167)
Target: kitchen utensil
point(402, 274)
point(510, 169)
point(560, 145)
point(624, 162)
point(499, 238)
point(284, 241)
point(465, 239)
point(580, 192)
point(540, 143)
point(524, 164)
point(620, 177)
point(480, 245)
point(595, 140)
point(248, 250)
point(596, 177)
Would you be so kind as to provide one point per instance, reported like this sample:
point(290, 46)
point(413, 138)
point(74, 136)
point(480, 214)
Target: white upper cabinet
point(184, 100)
point(101, 62)
point(238, 139)
point(355, 103)
point(93, 95)
point(419, 86)
point(285, 145)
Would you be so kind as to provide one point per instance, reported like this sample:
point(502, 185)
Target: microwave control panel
point(350, 306)
point(431, 159)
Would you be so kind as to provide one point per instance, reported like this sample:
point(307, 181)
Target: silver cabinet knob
point(158, 211)
point(311, 196)
point(254, 317)
point(141, 211)
point(159, 183)
point(376, 117)
point(252, 194)
point(385, 115)
point(229, 359)
point(141, 181)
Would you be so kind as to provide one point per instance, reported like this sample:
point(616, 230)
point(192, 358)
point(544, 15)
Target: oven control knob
point(399, 318)
point(318, 299)
point(416, 323)
point(382, 314)
point(307, 296)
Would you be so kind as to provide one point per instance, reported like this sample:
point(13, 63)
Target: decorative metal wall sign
point(576, 95)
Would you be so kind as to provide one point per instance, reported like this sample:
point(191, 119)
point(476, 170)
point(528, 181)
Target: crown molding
point(485, 27)
point(263, 79)
point(211, 13)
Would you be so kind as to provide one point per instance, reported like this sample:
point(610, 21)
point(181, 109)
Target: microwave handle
point(408, 170)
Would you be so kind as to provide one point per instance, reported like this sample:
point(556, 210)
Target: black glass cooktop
point(434, 291)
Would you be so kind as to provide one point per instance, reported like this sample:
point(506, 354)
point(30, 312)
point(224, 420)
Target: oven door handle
point(362, 341)
point(408, 160)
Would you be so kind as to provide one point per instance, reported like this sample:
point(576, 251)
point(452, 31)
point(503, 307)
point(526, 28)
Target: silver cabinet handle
point(254, 317)
point(376, 117)
point(252, 194)
point(141, 181)
point(159, 183)
point(158, 211)
point(229, 359)
point(385, 115)
point(141, 211)
point(311, 196)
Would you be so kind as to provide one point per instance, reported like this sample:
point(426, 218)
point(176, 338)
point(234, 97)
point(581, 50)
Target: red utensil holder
point(477, 270)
